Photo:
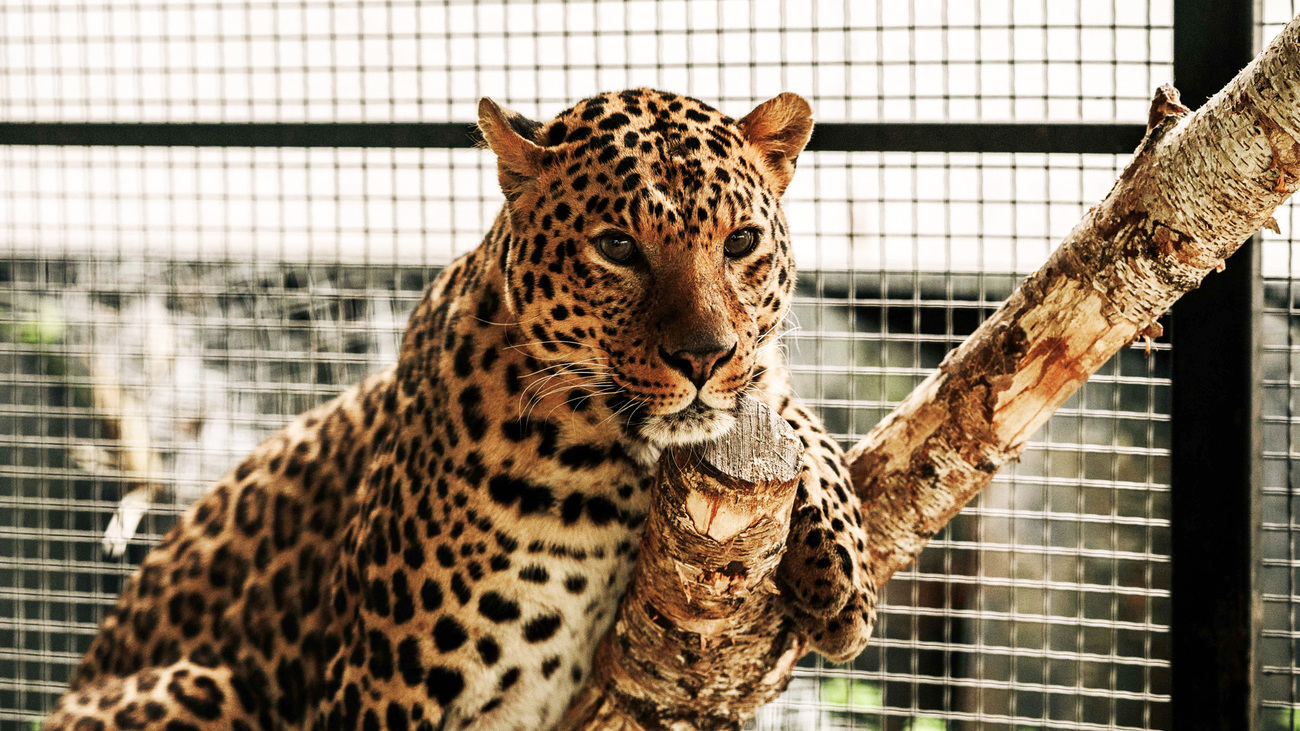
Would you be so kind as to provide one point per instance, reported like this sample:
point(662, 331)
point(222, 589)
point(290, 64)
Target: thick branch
point(1199, 185)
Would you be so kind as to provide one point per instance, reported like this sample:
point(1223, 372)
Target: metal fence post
point(1216, 458)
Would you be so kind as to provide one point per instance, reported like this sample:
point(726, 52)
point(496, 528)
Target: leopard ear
point(779, 128)
point(510, 136)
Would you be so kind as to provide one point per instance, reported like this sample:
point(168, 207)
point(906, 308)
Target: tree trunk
point(1197, 187)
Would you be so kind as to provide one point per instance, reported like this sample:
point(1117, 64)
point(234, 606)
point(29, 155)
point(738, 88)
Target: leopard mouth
point(694, 424)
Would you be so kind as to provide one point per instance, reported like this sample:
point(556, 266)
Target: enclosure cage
point(215, 214)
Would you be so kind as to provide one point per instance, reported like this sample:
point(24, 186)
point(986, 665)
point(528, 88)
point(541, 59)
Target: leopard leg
point(183, 696)
point(826, 571)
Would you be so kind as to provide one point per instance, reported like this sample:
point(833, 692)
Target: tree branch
point(700, 639)
point(1197, 187)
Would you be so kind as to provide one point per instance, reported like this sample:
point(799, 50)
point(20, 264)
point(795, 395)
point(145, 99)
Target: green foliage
point(857, 694)
point(1285, 719)
point(45, 326)
point(927, 723)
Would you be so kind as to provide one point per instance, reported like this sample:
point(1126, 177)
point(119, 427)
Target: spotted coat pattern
point(441, 546)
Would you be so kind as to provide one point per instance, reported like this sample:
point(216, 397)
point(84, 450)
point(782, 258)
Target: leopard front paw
point(844, 636)
point(819, 573)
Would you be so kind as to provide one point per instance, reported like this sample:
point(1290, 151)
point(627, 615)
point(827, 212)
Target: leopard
point(443, 545)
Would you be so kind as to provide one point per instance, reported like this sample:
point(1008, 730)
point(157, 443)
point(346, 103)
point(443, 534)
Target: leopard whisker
point(522, 347)
point(570, 368)
point(633, 405)
point(586, 394)
point(581, 384)
point(579, 398)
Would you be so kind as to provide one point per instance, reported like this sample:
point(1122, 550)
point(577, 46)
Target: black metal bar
point(976, 137)
point(1216, 458)
point(829, 136)
point(238, 134)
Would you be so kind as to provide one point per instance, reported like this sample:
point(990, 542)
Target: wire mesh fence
point(1280, 539)
point(163, 309)
point(1279, 569)
point(329, 60)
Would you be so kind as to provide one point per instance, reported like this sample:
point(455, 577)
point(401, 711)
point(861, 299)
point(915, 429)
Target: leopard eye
point(615, 246)
point(741, 243)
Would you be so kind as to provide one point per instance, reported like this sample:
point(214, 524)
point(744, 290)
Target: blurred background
point(170, 294)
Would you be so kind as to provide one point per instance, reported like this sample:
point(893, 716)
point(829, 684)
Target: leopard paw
point(820, 572)
point(842, 637)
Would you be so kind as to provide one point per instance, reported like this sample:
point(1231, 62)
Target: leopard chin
point(692, 425)
point(697, 423)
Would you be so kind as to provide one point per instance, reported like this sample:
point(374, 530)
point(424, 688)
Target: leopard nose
point(699, 363)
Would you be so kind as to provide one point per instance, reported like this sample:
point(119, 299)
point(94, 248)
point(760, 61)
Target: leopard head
point(647, 247)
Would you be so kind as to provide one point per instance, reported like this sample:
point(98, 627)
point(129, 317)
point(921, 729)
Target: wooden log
point(700, 641)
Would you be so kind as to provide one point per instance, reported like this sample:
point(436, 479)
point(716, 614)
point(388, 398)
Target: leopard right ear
point(510, 136)
point(780, 128)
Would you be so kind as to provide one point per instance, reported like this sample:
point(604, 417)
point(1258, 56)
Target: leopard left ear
point(779, 128)
point(510, 135)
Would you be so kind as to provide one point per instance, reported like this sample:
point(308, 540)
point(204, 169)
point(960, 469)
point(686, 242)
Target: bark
point(700, 640)
point(1197, 187)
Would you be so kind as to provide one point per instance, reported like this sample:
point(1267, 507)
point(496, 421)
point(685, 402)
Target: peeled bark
point(1198, 186)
